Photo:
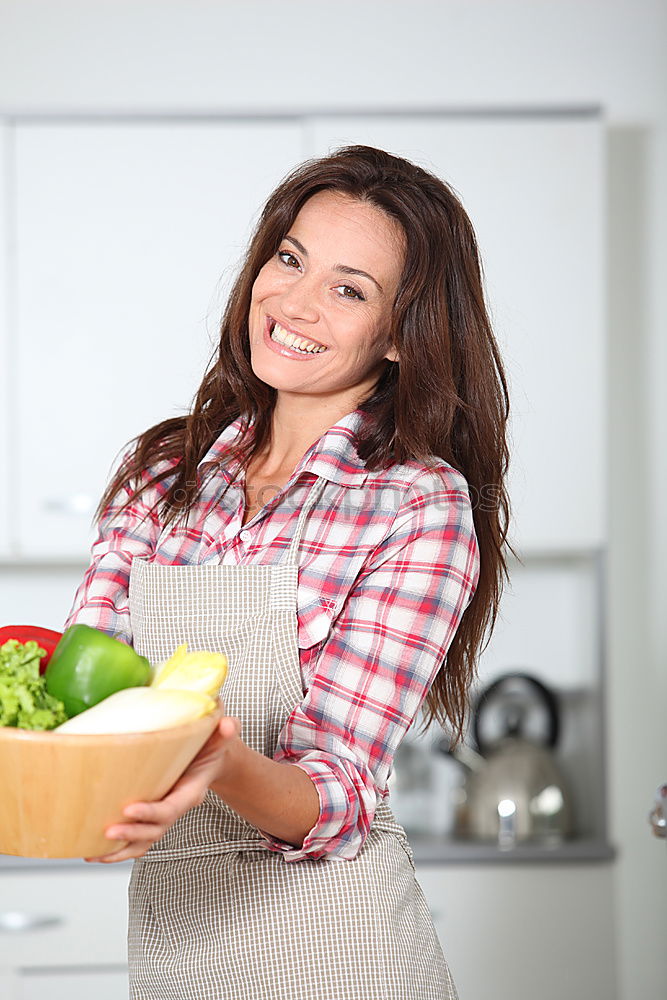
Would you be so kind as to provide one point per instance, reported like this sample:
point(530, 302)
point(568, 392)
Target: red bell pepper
point(47, 638)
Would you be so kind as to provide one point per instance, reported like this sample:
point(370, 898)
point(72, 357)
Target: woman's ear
point(392, 354)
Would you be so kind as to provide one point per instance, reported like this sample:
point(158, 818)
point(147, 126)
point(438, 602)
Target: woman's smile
point(290, 343)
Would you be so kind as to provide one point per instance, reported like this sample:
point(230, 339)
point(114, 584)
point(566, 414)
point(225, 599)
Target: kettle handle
point(546, 695)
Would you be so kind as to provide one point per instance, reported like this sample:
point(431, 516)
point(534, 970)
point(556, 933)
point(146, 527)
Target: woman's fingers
point(125, 853)
point(229, 727)
point(146, 833)
point(149, 821)
point(120, 847)
point(134, 839)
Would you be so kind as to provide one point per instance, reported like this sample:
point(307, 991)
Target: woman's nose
point(299, 301)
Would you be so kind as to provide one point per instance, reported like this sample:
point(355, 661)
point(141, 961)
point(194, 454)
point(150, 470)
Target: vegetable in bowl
point(95, 684)
point(184, 688)
point(88, 665)
point(24, 700)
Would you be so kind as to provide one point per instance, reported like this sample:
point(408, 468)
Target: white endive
point(140, 710)
point(197, 671)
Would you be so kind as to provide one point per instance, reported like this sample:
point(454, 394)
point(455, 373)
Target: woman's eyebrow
point(343, 268)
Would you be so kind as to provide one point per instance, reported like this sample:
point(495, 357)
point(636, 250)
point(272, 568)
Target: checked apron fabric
point(214, 915)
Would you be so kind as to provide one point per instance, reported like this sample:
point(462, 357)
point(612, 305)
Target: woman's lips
point(284, 351)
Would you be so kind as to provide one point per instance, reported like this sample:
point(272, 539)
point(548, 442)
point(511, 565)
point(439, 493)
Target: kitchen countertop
point(435, 850)
point(427, 850)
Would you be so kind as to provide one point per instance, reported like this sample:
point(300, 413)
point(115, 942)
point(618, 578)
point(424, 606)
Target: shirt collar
point(334, 456)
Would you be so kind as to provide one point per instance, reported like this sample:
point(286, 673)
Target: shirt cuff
point(342, 825)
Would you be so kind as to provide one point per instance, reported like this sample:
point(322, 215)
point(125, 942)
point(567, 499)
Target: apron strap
point(314, 494)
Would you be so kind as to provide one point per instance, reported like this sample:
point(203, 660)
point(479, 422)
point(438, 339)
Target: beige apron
point(213, 913)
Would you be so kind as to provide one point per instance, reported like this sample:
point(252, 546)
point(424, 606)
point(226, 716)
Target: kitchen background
point(138, 142)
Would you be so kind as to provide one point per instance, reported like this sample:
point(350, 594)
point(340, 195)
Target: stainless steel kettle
point(513, 791)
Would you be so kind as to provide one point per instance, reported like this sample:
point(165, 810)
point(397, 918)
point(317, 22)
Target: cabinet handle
point(658, 815)
point(13, 921)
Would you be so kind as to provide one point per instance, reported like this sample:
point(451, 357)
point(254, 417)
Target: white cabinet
point(63, 932)
point(8, 478)
point(126, 239)
point(534, 189)
point(511, 930)
point(105, 984)
point(506, 930)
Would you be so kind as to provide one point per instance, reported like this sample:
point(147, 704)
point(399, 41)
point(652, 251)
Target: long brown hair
point(446, 396)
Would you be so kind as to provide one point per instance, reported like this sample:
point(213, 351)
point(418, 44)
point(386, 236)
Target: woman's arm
point(275, 797)
point(335, 752)
point(386, 646)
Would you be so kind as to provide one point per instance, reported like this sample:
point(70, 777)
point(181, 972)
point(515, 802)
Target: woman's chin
point(268, 377)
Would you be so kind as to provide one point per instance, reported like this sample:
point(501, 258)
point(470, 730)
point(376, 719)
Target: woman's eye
point(347, 291)
point(351, 293)
point(288, 258)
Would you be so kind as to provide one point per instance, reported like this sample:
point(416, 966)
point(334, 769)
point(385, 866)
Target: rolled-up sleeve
point(372, 674)
point(102, 597)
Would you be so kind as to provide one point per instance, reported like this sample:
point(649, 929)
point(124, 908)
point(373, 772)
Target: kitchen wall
point(117, 55)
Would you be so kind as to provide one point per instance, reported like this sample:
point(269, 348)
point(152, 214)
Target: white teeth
point(282, 336)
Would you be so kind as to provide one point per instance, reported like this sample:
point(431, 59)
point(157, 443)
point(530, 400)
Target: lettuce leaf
point(24, 700)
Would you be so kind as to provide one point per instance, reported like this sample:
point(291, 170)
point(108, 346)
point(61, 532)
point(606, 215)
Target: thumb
point(229, 727)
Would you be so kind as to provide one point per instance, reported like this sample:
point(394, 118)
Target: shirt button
point(245, 536)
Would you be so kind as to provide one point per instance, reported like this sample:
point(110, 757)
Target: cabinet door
point(65, 919)
point(533, 189)
point(127, 239)
point(517, 931)
point(78, 984)
point(7, 479)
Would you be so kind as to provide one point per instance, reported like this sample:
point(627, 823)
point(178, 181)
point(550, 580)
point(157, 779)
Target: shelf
point(435, 850)
point(427, 850)
point(9, 863)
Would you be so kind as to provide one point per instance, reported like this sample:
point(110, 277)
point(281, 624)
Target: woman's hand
point(149, 821)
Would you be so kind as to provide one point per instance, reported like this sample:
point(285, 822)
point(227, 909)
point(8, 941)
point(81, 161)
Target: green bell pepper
point(88, 665)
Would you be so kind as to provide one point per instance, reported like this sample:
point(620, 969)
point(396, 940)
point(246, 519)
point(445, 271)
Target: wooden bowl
point(60, 791)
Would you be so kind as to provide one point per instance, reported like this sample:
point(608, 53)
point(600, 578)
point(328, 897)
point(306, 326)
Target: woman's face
point(332, 283)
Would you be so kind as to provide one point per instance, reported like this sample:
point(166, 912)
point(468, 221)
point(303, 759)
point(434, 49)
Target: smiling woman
point(358, 392)
point(302, 306)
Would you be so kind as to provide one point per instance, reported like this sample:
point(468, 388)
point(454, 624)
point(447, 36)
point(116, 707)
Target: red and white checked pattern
point(388, 563)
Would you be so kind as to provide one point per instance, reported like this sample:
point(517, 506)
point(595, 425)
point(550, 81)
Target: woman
point(323, 517)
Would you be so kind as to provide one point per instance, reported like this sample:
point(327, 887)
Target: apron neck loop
point(313, 496)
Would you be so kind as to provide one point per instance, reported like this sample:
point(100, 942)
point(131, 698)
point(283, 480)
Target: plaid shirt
point(388, 563)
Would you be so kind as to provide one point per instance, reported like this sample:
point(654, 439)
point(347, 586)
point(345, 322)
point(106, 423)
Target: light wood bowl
point(58, 791)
